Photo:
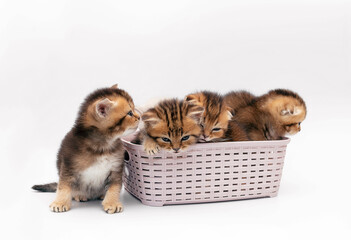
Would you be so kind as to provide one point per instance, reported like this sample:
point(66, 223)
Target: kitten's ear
point(194, 99)
point(195, 112)
point(103, 107)
point(230, 112)
point(150, 117)
point(115, 86)
point(291, 111)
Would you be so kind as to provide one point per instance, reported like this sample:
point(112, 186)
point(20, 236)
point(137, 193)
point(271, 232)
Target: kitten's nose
point(205, 136)
point(176, 149)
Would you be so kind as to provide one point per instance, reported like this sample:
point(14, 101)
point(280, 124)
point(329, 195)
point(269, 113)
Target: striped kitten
point(172, 125)
point(216, 121)
point(90, 160)
point(270, 116)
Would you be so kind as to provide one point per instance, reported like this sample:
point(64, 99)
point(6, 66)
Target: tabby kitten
point(270, 116)
point(216, 121)
point(172, 125)
point(90, 160)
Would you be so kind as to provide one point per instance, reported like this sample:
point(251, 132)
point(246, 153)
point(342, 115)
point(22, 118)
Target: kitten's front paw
point(151, 148)
point(57, 206)
point(112, 207)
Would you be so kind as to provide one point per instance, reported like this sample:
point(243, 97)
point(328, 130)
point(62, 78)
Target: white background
point(53, 53)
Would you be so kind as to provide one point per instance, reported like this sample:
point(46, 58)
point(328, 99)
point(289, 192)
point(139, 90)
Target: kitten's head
point(291, 119)
point(111, 111)
point(173, 124)
point(216, 116)
point(287, 107)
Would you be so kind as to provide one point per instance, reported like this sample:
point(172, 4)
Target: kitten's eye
point(201, 125)
point(185, 138)
point(166, 139)
point(130, 113)
point(299, 123)
point(216, 129)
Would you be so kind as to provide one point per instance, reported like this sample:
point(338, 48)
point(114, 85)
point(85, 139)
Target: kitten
point(286, 106)
point(172, 125)
point(90, 160)
point(270, 116)
point(216, 121)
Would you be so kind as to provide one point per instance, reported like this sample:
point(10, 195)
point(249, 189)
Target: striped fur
point(216, 121)
point(172, 125)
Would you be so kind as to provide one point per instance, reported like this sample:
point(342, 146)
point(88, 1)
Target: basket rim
point(126, 141)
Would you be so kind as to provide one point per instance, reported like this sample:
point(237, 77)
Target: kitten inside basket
point(173, 125)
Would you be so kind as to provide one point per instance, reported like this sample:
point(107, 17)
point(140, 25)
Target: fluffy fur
point(270, 116)
point(90, 160)
point(216, 121)
point(172, 125)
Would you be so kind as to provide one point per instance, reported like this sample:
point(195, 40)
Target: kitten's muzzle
point(204, 138)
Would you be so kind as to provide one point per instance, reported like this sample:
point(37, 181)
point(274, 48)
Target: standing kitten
point(171, 125)
point(216, 121)
point(90, 160)
point(270, 116)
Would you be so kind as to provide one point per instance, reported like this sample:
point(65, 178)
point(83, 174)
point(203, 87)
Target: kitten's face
point(216, 116)
point(173, 124)
point(292, 123)
point(114, 115)
point(292, 129)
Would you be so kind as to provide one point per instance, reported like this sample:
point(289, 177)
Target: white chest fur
point(94, 176)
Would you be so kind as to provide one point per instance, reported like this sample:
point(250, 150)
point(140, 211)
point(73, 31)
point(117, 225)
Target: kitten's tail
point(50, 187)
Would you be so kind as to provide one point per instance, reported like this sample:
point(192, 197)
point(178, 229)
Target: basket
point(205, 172)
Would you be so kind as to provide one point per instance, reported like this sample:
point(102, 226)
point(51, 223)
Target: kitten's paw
point(80, 199)
point(151, 148)
point(57, 206)
point(112, 207)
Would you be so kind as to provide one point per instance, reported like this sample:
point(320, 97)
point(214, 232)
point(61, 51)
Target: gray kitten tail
point(50, 187)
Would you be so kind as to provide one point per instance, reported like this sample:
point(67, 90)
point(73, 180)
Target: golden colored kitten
point(172, 125)
point(90, 160)
point(270, 116)
point(286, 106)
point(216, 119)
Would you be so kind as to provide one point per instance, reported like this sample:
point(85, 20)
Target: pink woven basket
point(206, 172)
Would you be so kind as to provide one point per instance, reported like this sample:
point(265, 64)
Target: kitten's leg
point(63, 199)
point(111, 202)
point(150, 146)
point(80, 199)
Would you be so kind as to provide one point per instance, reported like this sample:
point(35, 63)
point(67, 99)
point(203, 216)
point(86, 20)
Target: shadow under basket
point(205, 172)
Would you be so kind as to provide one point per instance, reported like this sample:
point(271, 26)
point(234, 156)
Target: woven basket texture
point(205, 172)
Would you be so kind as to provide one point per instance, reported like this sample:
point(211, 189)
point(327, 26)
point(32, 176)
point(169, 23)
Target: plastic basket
point(205, 172)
